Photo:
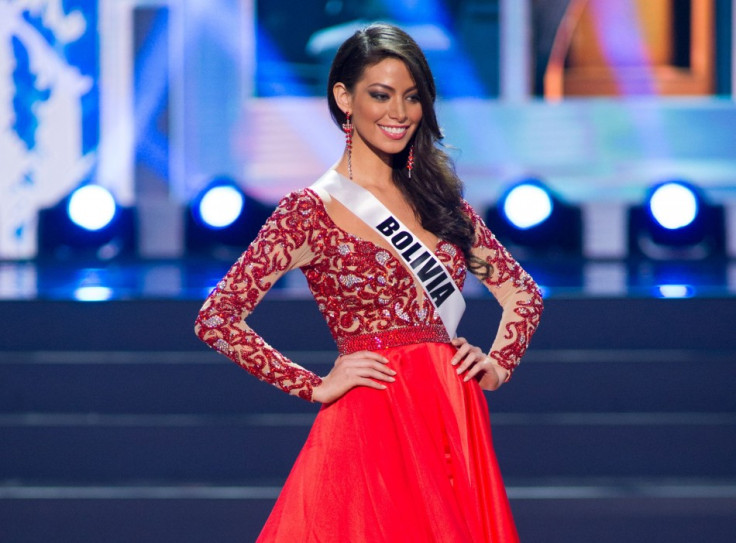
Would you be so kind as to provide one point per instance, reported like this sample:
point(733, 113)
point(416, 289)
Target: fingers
point(359, 369)
point(458, 341)
point(362, 367)
point(366, 363)
point(370, 383)
point(362, 355)
point(479, 367)
point(469, 359)
point(463, 347)
point(373, 372)
point(466, 356)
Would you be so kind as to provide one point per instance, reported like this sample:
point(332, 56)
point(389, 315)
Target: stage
point(119, 425)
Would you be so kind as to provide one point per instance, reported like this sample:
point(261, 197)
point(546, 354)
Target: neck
point(369, 167)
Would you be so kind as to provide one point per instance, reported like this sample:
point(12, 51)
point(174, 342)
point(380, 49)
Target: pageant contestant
point(401, 449)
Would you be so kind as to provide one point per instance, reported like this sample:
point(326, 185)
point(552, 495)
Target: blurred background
point(144, 142)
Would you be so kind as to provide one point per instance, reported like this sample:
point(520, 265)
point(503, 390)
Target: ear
point(343, 97)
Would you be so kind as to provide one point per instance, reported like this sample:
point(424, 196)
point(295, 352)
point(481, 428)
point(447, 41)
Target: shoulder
point(300, 210)
point(302, 198)
point(303, 203)
point(473, 215)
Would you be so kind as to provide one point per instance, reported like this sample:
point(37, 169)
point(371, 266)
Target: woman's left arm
point(522, 306)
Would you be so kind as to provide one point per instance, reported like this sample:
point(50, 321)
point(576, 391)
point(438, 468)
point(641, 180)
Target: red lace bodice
point(362, 290)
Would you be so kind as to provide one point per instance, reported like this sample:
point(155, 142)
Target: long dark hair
point(434, 189)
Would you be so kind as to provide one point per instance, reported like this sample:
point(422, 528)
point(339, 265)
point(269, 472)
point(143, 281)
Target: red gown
point(414, 462)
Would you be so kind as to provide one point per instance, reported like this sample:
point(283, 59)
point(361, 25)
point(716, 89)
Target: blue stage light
point(88, 223)
point(534, 222)
point(673, 205)
point(91, 207)
point(221, 206)
point(93, 294)
point(675, 291)
point(223, 219)
point(675, 222)
point(527, 205)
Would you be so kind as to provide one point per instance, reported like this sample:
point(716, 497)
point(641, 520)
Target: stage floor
point(192, 279)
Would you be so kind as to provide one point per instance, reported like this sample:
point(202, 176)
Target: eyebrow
point(389, 87)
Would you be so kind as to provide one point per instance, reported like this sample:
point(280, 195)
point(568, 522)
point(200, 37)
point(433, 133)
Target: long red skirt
point(410, 464)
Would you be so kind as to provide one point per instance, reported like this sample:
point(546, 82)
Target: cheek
point(370, 112)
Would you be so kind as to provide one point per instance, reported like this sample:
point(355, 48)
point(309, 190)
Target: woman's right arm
point(283, 243)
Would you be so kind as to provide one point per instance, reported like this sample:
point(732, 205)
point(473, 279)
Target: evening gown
point(413, 463)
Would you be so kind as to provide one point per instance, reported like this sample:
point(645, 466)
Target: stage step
point(231, 448)
point(572, 511)
point(119, 425)
point(204, 382)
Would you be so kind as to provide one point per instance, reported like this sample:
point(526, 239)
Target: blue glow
point(527, 205)
point(673, 205)
point(93, 294)
point(274, 77)
point(675, 291)
point(221, 206)
point(91, 207)
point(151, 96)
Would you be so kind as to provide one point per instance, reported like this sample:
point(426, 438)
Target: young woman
point(401, 449)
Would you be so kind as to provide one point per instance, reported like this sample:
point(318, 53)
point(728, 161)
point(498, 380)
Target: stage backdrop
point(154, 98)
point(49, 104)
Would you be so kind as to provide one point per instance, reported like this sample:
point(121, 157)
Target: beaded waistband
point(393, 338)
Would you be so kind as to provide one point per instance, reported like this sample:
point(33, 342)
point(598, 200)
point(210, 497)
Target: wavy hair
point(434, 189)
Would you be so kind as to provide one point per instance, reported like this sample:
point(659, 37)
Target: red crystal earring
point(347, 127)
point(410, 160)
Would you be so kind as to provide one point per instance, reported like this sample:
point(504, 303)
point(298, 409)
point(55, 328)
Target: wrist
point(318, 392)
point(495, 375)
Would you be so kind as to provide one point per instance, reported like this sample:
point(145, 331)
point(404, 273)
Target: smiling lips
point(394, 132)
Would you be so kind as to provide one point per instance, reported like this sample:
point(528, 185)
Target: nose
point(397, 109)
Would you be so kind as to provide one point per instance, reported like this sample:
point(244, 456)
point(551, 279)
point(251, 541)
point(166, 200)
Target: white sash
point(423, 263)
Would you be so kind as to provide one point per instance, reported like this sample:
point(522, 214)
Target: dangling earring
point(347, 127)
point(410, 160)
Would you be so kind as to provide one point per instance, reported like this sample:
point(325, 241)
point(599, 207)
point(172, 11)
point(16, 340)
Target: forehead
point(390, 71)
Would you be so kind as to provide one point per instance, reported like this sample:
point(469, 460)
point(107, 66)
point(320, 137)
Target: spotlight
point(527, 205)
point(533, 222)
point(220, 206)
point(91, 207)
point(222, 220)
point(89, 224)
point(675, 222)
point(673, 205)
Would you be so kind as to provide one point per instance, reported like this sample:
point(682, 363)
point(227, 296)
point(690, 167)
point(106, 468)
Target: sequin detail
point(393, 338)
point(216, 320)
point(361, 290)
point(222, 346)
point(525, 300)
point(350, 280)
point(382, 257)
point(448, 248)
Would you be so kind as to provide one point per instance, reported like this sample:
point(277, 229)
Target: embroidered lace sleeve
point(514, 289)
point(282, 244)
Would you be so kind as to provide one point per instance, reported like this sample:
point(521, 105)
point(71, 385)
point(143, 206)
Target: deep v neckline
point(355, 238)
point(361, 239)
point(432, 248)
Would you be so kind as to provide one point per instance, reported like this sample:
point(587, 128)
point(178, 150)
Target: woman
point(401, 449)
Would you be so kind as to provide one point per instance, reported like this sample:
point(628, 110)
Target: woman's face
point(385, 107)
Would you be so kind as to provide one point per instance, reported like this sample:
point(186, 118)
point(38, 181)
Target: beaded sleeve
point(514, 289)
point(282, 244)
